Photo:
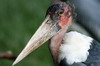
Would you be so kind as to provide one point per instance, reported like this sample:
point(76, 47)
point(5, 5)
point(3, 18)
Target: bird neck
point(55, 43)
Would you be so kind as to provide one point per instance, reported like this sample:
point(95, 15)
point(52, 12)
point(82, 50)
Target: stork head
point(58, 16)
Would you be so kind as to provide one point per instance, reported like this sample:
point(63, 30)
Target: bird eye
point(61, 12)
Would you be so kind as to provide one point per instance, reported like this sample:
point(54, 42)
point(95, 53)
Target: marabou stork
point(67, 49)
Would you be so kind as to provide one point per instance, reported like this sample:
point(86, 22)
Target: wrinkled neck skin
point(55, 43)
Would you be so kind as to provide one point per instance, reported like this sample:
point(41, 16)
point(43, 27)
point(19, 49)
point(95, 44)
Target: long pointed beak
point(45, 32)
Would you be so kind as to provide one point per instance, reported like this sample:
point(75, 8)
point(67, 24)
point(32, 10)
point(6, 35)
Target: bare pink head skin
point(56, 23)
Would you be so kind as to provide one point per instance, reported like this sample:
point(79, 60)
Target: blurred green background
point(19, 19)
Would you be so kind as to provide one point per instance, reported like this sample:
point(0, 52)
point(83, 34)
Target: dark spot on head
point(61, 8)
point(52, 9)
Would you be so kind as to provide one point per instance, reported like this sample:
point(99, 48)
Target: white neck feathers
point(75, 47)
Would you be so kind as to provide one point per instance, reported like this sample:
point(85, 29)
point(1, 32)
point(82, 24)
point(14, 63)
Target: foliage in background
point(19, 19)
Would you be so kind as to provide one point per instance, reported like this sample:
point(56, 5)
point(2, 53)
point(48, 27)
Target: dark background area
point(19, 19)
